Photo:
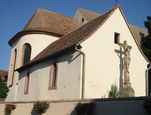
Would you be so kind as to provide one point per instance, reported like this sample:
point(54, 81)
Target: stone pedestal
point(128, 91)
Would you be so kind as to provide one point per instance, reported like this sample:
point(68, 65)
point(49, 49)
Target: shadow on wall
point(118, 106)
point(121, 68)
point(70, 57)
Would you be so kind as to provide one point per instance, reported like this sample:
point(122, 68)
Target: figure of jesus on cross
point(127, 60)
point(128, 91)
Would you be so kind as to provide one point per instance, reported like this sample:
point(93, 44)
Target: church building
point(56, 57)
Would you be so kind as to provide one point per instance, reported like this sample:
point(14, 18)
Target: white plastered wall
point(38, 42)
point(68, 80)
point(103, 63)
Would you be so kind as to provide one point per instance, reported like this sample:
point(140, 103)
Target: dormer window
point(27, 53)
point(116, 38)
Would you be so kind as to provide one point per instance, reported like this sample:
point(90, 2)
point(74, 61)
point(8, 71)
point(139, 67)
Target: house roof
point(51, 22)
point(136, 32)
point(78, 36)
point(75, 37)
point(48, 22)
point(88, 14)
point(4, 74)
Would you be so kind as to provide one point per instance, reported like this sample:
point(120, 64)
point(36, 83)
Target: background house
point(4, 75)
point(56, 57)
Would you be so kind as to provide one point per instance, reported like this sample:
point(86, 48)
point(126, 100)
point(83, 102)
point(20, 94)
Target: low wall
point(120, 106)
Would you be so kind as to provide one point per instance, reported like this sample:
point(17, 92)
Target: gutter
point(147, 84)
point(83, 70)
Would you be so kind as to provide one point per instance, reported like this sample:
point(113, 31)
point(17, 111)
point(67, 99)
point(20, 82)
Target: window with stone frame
point(53, 76)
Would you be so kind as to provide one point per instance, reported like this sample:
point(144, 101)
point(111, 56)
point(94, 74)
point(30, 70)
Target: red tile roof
point(47, 22)
point(51, 22)
point(4, 74)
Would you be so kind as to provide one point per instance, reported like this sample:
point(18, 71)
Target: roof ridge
point(88, 11)
point(41, 9)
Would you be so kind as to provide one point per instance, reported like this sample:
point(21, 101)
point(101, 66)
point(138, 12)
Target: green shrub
point(114, 92)
point(40, 107)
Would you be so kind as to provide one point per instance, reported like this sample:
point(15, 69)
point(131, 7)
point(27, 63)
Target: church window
point(116, 38)
point(26, 86)
point(53, 76)
point(27, 53)
point(13, 64)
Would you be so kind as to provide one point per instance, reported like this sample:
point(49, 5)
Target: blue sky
point(14, 15)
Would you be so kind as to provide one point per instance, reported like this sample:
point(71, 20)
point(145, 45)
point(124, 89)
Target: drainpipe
point(147, 83)
point(83, 70)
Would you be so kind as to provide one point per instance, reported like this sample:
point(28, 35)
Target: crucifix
point(127, 60)
point(127, 89)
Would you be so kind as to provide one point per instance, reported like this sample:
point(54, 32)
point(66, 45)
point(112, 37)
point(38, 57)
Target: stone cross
point(127, 89)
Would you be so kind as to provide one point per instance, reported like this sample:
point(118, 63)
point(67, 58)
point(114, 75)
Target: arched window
point(12, 68)
point(27, 53)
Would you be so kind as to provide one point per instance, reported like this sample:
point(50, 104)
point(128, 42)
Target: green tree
point(3, 88)
point(146, 40)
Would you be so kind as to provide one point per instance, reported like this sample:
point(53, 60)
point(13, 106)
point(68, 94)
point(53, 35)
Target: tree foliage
point(3, 88)
point(146, 40)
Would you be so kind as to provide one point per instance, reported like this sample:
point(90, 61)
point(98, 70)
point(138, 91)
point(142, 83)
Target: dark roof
point(51, 22)
point(136, 32)
point(4, 74)
point(88, 14)
point(75, 37)
point(48, 22)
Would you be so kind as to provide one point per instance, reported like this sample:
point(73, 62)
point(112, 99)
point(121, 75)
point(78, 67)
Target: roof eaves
point(25, 32)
